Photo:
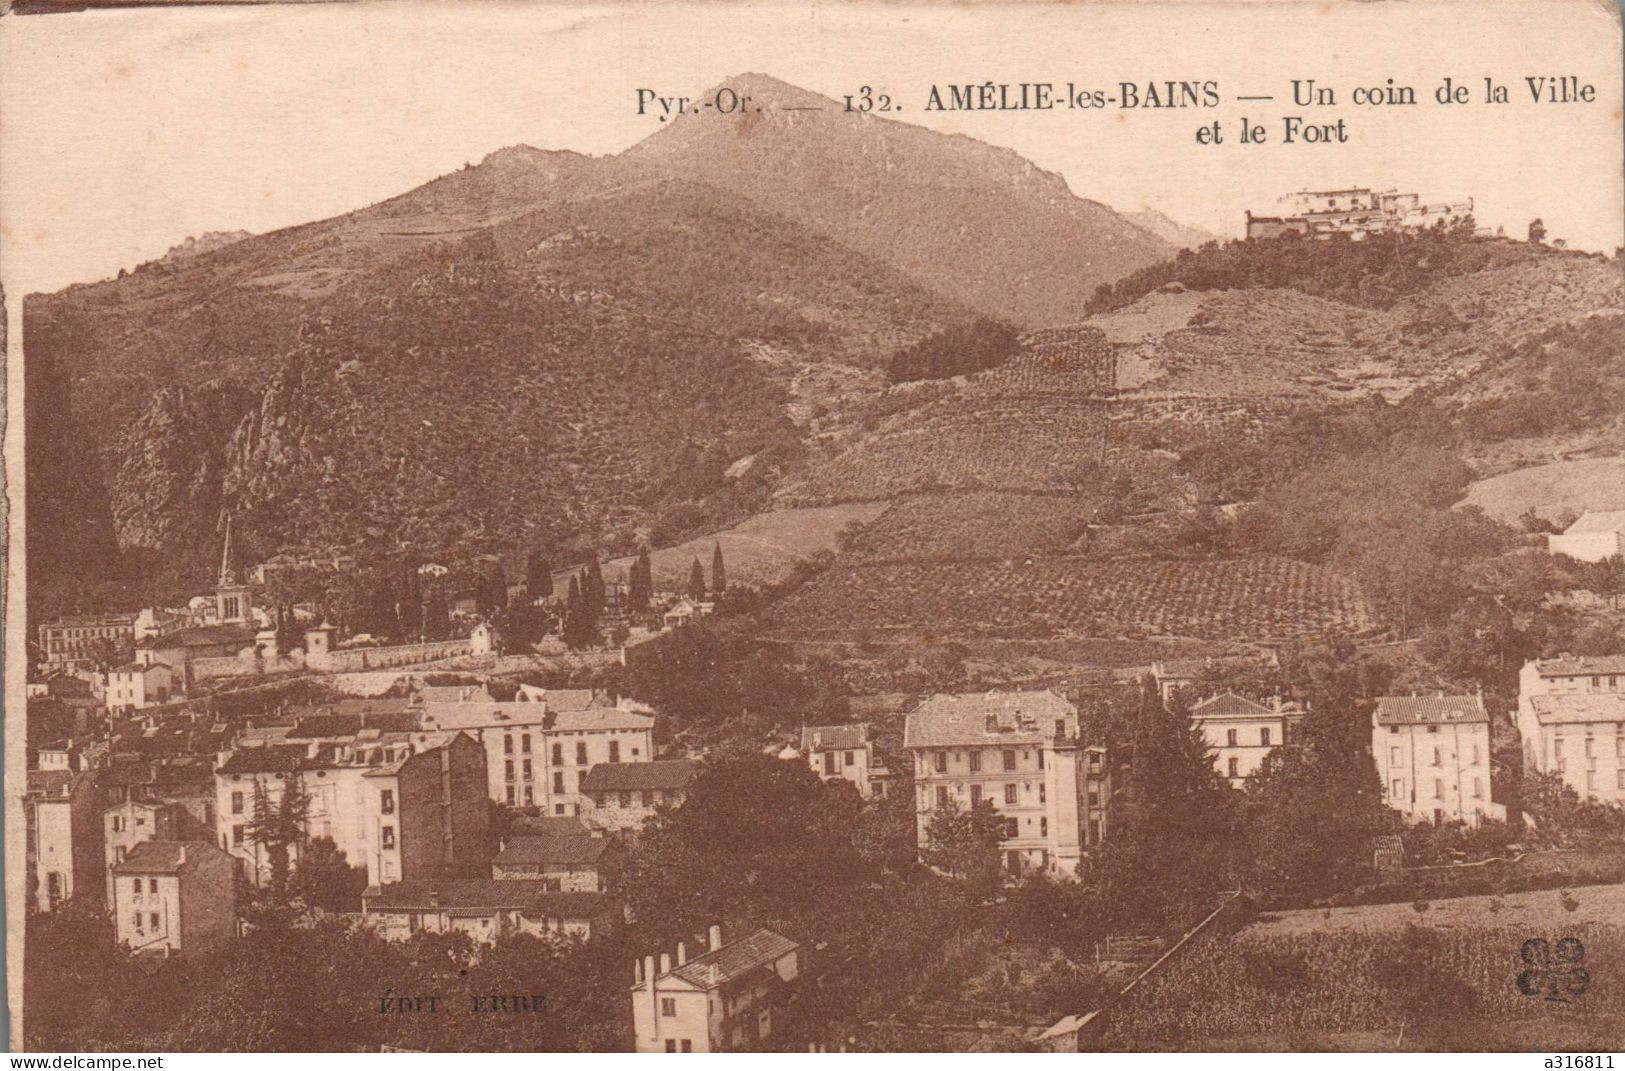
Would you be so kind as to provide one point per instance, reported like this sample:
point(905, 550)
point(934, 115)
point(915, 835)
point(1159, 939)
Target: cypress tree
point(639, 581)
point(436, 615)
point(696, 580)
point(592, 589)
point(719, 574)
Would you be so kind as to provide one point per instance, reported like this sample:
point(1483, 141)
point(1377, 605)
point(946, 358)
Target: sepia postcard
point(814, 526)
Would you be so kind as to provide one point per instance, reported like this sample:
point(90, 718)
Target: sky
point(124, 132)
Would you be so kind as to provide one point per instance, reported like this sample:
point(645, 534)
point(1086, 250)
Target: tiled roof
point(560, 699)
point(960, 720)
point(484, 715)
point(528, 849)
point(325, 725)
point(160, 856)
point(78, 620)
point(1581, 665)
point(53, 782)
point(137, 667)
point(1429, 709)
point(274, 758)
point(529, 898)
point(734, 960)
point(635, 776)
point(1230, 705)
point(591, 718)
point(1605, 521)
point(201, 636)
point(834, 737)
point(1586, 707)
point(548, 826)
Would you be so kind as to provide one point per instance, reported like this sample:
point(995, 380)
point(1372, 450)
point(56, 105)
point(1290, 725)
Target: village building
point(485, 909)
point(1572, 675)
point(78, 683)
point(134, 822)
point(174, 897)
point(1571, 717)
point(61, 755)
point(578, 863)
point(537, 752)
point(685, 611)
point(83, 639)
point(729, 999)
point(403, 812)
point(63, 831)
point(622, 796)
point(1433, 755)
point(1594, 537)
point(844, 752)
point(1022, 752)
point(1242, 732)
point(179, 649)
point(138, 685)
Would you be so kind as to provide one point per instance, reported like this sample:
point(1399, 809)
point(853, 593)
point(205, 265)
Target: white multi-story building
point(846, 753)
point(619, 796)
point(174, 897)
point(1242, 732)
point(1433, 755)
point(1021, 752)
point(538, 750)
point(727, 999)
point(1571, 716)
point(402, 810)
point(137, 685)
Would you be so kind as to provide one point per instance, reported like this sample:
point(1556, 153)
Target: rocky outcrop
point(167, 483)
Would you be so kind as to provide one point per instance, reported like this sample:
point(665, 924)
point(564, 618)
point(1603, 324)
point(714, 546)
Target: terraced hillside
point(1255, 598)
point(971, 525)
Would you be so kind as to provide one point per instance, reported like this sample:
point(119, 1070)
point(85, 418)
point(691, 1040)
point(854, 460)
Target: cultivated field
point(1235, 599)
point(974, 524)
point(759, 550)
point(1596, 483)
point(1421, 987)
point(1041, 444)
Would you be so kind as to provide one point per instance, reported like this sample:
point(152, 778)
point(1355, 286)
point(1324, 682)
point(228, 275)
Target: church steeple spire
point(228, 569)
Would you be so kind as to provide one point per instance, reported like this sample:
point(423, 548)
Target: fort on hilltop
point(1354, 212)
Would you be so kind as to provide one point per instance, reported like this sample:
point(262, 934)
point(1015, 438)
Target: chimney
point(637, 972)
point(182, 860)
point(434, 897)
point(714, 938)
point(649, 968)
point(682, 953)
point(665, 963)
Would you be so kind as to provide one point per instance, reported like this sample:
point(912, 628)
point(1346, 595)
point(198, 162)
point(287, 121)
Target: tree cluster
point(958, 350)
